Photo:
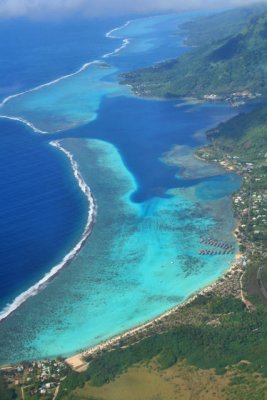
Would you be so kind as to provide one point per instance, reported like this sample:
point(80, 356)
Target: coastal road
point(56, 392)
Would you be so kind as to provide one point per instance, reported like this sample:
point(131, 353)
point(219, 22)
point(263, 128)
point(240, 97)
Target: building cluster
point(35, 379)
point(236, 99)
point(253, 207)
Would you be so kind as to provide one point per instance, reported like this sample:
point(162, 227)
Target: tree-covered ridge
point(235, 64)
point(244, 136)
point(211, 28)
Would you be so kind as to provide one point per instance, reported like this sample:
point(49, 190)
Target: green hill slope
point(209, 29)
point(244, 136)
point(235, 64)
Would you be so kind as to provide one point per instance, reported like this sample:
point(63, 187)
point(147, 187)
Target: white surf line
point(113, 53)
point(35, 289)
point(111, 35)
point(92, 211)
point(28, 123)
point(33, 127)
point(84, 66)
point(24, 121)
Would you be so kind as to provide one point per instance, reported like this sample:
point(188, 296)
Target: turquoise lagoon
point(141, 258)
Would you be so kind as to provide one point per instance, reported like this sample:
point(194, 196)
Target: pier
point(215, 247)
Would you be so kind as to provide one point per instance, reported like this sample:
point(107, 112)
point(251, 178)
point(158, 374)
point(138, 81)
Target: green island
point(214, 346)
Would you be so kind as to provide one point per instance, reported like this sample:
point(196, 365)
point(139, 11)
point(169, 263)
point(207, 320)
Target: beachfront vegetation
point(221, 333)
point(230, 335)
point(231, 68)
point(217, 345)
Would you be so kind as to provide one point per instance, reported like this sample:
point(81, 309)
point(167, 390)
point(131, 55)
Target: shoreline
point(110, 343)
point(78, 363)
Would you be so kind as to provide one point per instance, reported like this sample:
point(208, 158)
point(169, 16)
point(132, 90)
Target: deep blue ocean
point(43, 212)
point(135, 126)
point(36, 52)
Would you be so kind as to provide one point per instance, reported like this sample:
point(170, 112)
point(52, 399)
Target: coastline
point(136, 330)
point(78, 363)
point(222, 285)
point(109, 344)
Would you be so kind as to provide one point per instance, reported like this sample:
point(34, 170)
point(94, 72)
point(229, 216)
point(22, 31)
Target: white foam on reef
point(24, 121)
point(35, 289)
point(92, 211)
point(111, 35)
point(83, 67)
point(113, 53)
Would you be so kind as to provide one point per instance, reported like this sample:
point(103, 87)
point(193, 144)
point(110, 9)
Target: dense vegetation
point(5, 393)
point(209, 29)
point(239, 335)
point(229, 334)
point(243, 136)
point(226, 66)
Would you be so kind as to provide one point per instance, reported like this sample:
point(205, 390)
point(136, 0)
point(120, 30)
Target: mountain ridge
point(236, 64)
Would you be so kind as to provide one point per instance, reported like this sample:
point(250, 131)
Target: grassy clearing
point(180, 382)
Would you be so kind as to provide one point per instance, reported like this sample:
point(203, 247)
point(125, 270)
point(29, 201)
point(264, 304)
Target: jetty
point(220, 247)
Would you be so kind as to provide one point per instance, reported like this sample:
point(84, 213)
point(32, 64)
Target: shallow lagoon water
point(140, 260)
point(142, 256)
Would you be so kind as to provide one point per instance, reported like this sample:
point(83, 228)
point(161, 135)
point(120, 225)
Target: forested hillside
point(226, 66)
